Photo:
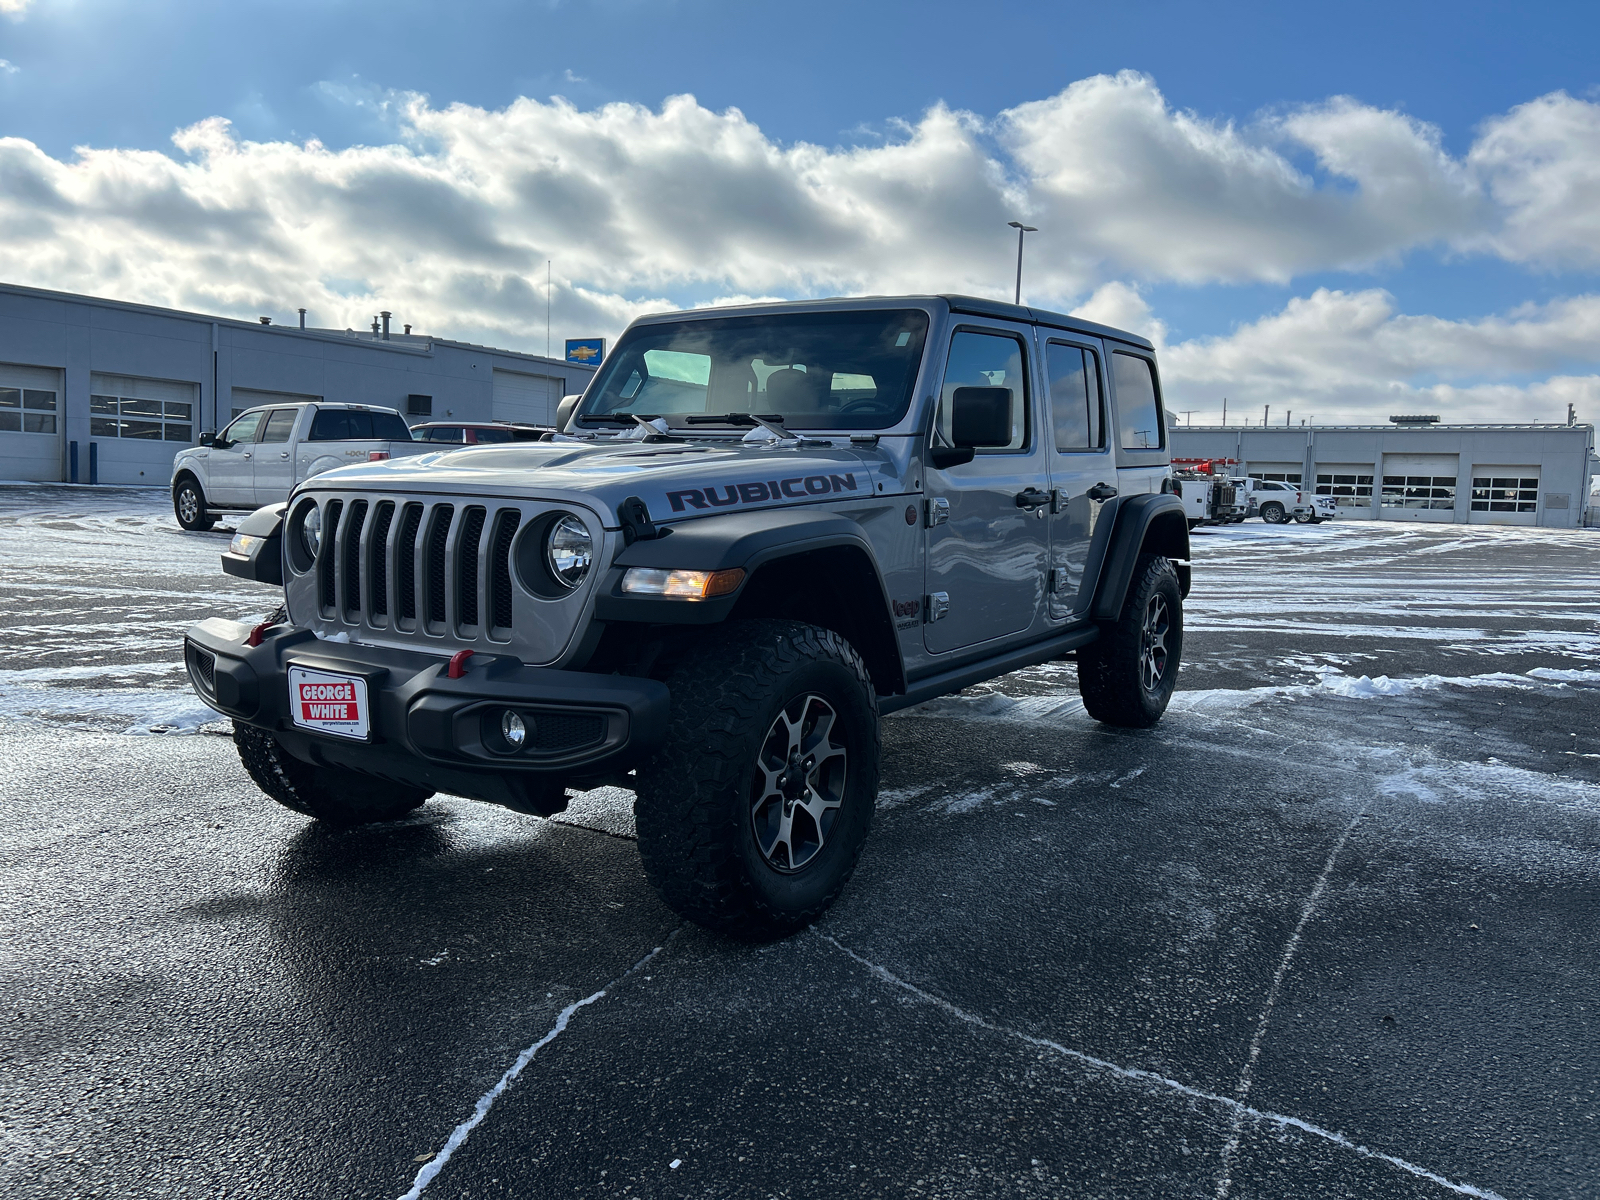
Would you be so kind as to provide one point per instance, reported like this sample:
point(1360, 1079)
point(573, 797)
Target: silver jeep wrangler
point(761, 529)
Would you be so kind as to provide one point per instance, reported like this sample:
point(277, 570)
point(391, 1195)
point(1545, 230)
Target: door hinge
point(936, 607)
point(937, 512)
point(1057, 580)
point(1058, 500)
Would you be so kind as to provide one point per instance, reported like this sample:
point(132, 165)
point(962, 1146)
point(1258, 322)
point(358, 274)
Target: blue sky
point(121, 78)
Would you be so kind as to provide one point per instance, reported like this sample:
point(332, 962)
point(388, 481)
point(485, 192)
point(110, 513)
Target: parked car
point(763, 529)
point(478, 433)
point(1278, 503)
point(265, 451)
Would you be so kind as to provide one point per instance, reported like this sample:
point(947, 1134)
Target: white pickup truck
point(1279, 503)
point(265, 451)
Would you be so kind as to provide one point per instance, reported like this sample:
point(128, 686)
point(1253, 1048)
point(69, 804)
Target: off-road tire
point(189, 506)
point(331, 795)
point(1112, 675)
point(1274, 514)
point(699, 796)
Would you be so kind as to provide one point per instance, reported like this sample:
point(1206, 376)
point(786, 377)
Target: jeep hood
point(676, 480)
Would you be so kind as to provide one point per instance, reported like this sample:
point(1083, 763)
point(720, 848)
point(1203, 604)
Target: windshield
point(830, 370)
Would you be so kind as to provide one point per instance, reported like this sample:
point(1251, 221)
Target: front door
point(986, 554)
point(1083, 473)
point(230, 463)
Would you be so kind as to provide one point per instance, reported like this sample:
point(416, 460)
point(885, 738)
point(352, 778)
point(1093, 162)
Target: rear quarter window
point(1141, 426)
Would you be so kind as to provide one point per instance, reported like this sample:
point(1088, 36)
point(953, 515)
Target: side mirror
point(979, 416)
point(564, 412)
point(208, 438)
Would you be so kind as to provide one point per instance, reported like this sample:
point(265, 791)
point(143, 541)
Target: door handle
point(1031, 498)
point(248, 454)
point(1101, 491)
point(283, 454)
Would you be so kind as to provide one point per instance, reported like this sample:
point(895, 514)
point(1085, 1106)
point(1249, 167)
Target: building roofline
point(399, 344)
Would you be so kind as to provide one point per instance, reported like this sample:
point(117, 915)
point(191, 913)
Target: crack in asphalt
point(1157, 1081)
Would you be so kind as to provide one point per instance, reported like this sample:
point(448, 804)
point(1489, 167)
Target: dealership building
point(101, 391)
point(1415, 469)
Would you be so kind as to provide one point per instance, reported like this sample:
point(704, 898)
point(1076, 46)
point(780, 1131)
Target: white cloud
point(8, 68)
point(14, 8)
point(1350, 356)
point(448, 221)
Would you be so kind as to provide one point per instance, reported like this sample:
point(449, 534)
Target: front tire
point(752, 814)
point(1127, 675)
point(189, 506)
point(331, 795)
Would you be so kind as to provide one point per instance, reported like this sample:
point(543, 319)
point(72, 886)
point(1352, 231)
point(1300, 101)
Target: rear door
point(1083, 471)
point(274, 461)
point(985, 555)
point(230, 463)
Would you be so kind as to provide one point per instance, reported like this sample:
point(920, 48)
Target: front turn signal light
point(681, 585)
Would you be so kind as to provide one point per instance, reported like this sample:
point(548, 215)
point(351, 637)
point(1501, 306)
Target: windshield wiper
point(627, 420)
point(740, 420)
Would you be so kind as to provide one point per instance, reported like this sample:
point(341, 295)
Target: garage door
point(1276, 472)
point(1350, 485)
point(1419, 487)
point(244, 398)
point(1505, 495)
point(529, 398)
point(139, 424)
point(32, 423)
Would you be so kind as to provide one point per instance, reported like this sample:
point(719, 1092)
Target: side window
point(279, 425)
point(244, 429)
point(493, 435)
point(987, 360)
point(1138, 406)
point(1075, 404)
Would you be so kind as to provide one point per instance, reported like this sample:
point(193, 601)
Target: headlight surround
point(569, 551)
point(311, 531)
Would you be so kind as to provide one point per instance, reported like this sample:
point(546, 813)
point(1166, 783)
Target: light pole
point(1022, 231)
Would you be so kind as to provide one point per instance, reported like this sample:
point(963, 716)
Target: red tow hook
point(458, 664)
point(259, 632)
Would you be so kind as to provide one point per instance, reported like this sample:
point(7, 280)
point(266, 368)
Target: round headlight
point(569, 551)
point(311, 531)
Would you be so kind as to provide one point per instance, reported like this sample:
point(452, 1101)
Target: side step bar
point(953, 680)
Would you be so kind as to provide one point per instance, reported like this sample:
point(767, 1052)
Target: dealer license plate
point(329, 703)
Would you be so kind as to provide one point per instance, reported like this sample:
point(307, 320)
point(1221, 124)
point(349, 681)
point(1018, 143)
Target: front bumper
point(426, 728)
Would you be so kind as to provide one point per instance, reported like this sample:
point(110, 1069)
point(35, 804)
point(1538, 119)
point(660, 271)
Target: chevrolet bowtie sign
point(588, 351)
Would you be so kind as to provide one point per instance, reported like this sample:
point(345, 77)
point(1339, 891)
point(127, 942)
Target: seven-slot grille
point(434, 567)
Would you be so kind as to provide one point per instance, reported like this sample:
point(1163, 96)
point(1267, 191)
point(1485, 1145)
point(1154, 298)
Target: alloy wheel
point(188, 504)
point(1153, 643)
point(798, 785)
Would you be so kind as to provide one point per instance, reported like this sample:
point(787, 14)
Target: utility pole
point(1265, 409)
point(1021, 231)
point(1224, 412)
point(1287, 413)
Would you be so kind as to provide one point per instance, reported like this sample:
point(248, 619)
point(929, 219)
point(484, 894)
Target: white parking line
point(434, 1165)
point(1247, 1075)
point(1154, 1080)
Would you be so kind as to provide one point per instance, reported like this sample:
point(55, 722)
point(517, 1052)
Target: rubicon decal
point(797, 487)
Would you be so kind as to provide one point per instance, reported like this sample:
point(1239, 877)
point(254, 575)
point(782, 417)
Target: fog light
point(513, 729)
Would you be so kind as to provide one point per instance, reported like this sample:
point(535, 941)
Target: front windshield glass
point(829, 370)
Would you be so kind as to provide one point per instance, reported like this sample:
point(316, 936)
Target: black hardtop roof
point(973, 305)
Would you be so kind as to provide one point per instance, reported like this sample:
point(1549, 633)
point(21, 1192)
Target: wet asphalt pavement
point(1328, 930)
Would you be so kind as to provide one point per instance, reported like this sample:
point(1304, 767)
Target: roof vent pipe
point(265, 320)
point(408, 334)
point(302, 318)
point(385, 317)
point(374, 326)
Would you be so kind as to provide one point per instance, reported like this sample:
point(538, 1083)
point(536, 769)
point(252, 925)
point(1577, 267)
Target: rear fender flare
point(1151, 523)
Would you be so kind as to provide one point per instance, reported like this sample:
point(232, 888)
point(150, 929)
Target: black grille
point(467, 556)
point(378, 558)
point(438, 536)
point(506, 522)
point(407, 566)
point(202, 667)
point(352, 556)
point(327, 553)
point(564, 731)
